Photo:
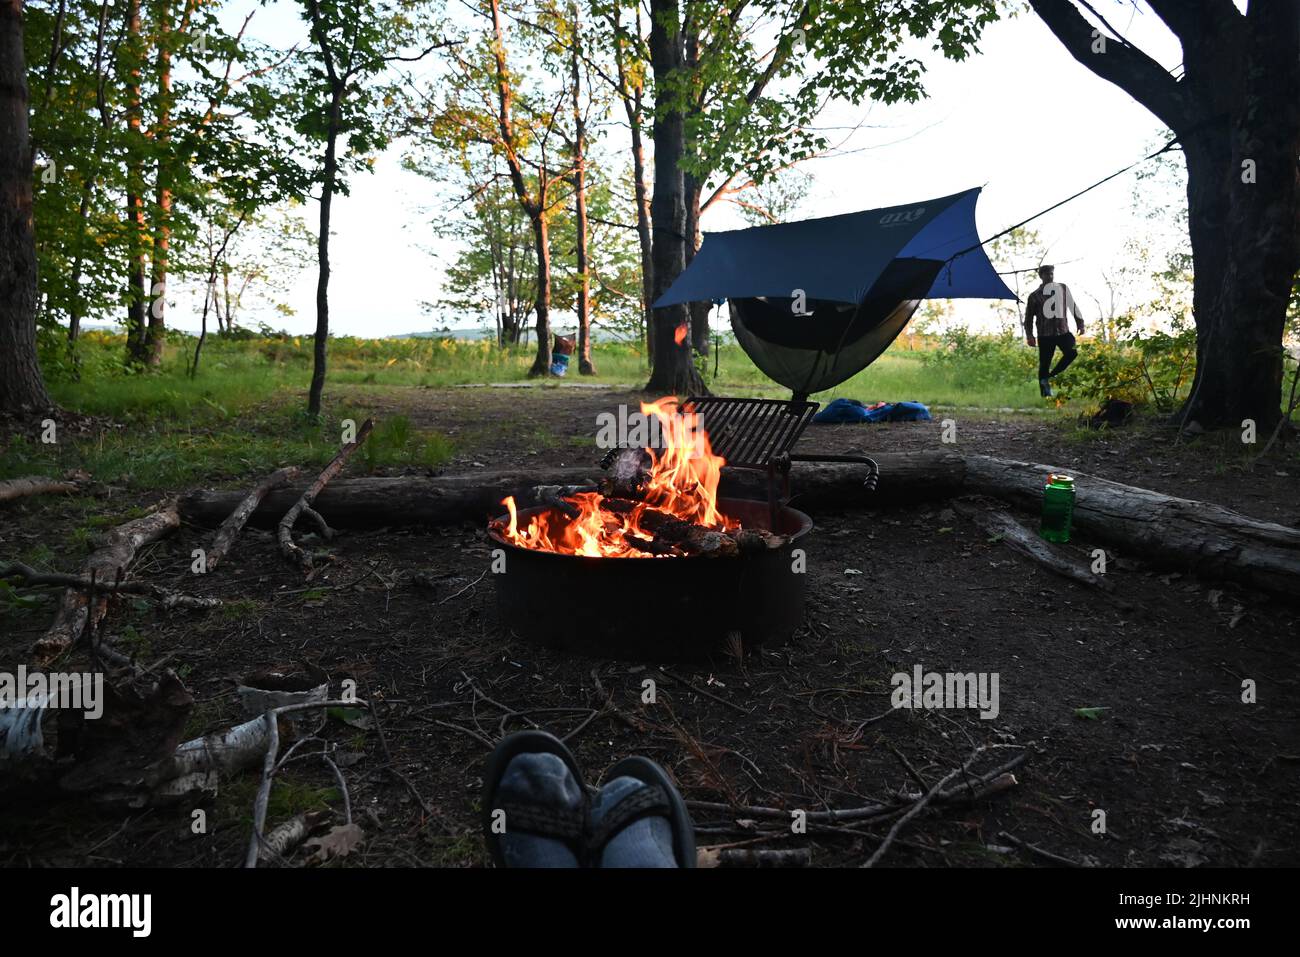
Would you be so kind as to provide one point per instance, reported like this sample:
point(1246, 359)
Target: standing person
point(1047, 314)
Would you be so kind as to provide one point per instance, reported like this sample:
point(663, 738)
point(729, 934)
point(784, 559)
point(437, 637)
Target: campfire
point(657, 502)
point(660, 497)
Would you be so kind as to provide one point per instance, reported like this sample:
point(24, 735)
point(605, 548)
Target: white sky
point(1021, 118)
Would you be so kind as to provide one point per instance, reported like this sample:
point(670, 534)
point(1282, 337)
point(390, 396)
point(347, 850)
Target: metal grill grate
point(751, 433)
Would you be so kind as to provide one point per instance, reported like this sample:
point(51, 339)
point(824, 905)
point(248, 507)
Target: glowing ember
point(679, 334)
point(676, 498)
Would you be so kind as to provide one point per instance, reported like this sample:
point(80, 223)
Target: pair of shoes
point(538, 812)
point(1045, 388)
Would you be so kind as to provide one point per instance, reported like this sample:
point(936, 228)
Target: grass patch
point(239, 609)
point(234, 803)
point(242, 416)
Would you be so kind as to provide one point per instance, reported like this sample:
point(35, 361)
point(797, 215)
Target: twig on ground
point(634, 723)
point(389, 766)
point(1033, 849)
point(284, 533)
point(272, 719)
point(914, 810)
point(754, 857)
point(465, 589)
point(700, 691)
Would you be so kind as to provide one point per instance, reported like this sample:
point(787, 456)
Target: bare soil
point(1186, 773)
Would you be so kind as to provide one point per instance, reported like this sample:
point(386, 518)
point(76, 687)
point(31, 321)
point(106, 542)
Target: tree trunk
point(693, 189)
point(536, 208)
point(156, 335)
point(632, 95)
point(320, 352)
point(643, 238)
point(21, 387)
point(1237, 105)
point(1264, 216)
point(585, 366)
point(699, 311)
point(672, 372)
point(541, 231)
point(137, 348)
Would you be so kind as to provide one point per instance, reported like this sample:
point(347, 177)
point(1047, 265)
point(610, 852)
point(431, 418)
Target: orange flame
point(682, 483)
point(679, 336)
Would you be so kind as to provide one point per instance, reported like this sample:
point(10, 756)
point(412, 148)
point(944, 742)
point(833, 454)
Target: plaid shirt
point(1048, 310)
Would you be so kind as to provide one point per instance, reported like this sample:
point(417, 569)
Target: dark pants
point(1047, 346)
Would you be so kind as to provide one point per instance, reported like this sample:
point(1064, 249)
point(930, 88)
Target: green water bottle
point(1058, 508)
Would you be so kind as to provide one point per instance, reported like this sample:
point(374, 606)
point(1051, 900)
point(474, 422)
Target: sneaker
point(1045, 388)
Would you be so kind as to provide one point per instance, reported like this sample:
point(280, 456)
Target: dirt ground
point(1186, 773)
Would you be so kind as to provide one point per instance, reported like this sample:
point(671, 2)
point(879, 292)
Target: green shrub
point(1153, 368)
point(973, 361)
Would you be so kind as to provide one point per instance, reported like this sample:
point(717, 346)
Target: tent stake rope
point(1087, 189)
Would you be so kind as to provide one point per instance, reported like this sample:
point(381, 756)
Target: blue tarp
point(839, 258)
point(851, 410)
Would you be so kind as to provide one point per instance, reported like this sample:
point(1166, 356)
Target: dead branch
point(322, 527)
point(1011, 532)
point(971, 789)
point(169, 599)
point(918, 807)
point(237, 519)
point(635, 724)
point(281, 841)
point(1033, 849)
point(271, 724)
point(700, 691)
point(753, 857)
point(78, 613)
point(11, 489)
point(287, 547)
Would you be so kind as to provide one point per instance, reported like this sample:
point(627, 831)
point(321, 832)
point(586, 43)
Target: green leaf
point(1092, 714)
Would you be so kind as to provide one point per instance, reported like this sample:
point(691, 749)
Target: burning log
point(758, 540)
point(709, 543)
point(557, 496)
point(651, 546)
point(629, 473)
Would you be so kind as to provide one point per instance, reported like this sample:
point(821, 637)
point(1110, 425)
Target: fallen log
point(1011, 532)
point(374, 502)
point(1190, 536)
point(106, 564)
point(308, 497)
point(11, 489)
point(238, 518)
